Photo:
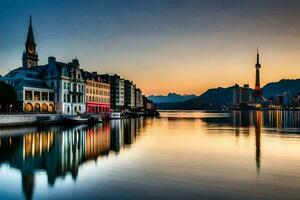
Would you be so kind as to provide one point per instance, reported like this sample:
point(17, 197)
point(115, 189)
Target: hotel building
point(97, 93)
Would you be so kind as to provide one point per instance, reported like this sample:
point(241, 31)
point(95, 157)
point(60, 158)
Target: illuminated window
point(28, 95)
point(37, 107)
point(44, 107)
point(37, 96)
point(51, 107)
point(28, 107)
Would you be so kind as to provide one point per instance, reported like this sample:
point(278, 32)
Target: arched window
point(37, 107)
point(28, 107)
point(51, 107)
point(44, 107)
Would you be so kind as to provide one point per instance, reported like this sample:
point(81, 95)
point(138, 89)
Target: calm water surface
point(182, 155)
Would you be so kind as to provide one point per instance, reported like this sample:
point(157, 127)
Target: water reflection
point(272, 121)
point(267, 119)
point(247, 119)
point(239, 155)
point(61, 150)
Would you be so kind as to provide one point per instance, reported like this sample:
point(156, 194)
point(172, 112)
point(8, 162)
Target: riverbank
point(7, 120)
point(29, 119)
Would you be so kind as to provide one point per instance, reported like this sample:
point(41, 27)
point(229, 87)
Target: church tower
point(30, 56)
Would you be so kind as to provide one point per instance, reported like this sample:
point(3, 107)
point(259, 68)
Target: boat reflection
point(60, 151)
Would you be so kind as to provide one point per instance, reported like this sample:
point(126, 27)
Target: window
point(65, 85)
point(45, 96)
point(51, 96)
point(37, 95)
point(37, 107)
point(28, 107)
point(74, 87)
point(44, 107)
point(51, 107)
point(28, 95)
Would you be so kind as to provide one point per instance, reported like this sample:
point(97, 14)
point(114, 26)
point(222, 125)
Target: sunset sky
point(164, 46)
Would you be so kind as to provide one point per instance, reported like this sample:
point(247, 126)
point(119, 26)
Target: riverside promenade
point(29, 119)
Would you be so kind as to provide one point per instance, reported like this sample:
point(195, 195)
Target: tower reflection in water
point(61, 150)
point(280, 121)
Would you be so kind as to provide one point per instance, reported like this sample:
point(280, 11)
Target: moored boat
point(76, 119)
point(116, 115)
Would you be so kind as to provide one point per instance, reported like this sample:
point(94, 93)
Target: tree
point(8, 98)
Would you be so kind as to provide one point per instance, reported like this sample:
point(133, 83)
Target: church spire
point(30, 56)
point(30, 37)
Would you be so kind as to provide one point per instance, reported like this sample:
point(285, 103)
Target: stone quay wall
point(28, 119)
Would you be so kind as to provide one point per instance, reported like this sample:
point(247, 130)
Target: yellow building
point(97, 93)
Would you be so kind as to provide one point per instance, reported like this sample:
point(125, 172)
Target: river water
point(182, 155)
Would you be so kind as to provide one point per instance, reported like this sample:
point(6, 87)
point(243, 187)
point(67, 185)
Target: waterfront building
point(69, 85)
point(138, 98)
point(129, 94)
point(236, 95)
point(117, 90)
point(32, 92)
point(56, 86)
point(287, 98)
point(246, 94)
point(148, 104)
point(278, 100)
point(296, 100)
point(97, 93)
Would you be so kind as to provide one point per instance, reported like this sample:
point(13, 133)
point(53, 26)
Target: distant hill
point(191, 104)
point(211, 99)
point(284, 85)
point(170, 98)
point(217, 97)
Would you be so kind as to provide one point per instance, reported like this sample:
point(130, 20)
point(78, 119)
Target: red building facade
point(97, 94)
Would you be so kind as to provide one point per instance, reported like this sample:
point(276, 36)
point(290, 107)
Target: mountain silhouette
point(170, 98)
point(217, 98)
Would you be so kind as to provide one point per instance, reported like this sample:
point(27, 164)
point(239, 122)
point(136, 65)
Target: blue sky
point(163, 45)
